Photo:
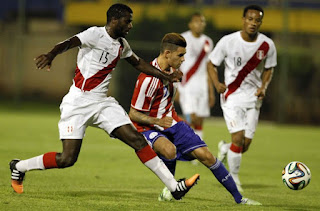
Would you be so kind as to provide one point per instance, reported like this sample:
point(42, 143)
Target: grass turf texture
point(109, 176)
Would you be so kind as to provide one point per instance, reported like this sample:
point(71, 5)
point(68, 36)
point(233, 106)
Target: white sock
point(234, 160)
point(199, 133)
point(160, 169)
point(30, 164)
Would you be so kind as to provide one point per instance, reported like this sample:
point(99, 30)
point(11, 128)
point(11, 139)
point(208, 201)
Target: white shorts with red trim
point(240, 118)
point(194, 103)
point(79, 112)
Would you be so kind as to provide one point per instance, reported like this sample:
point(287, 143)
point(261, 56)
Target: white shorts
point(77, 113)
point(194, 103)
point(241, 118)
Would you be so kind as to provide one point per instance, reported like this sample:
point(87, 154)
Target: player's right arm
point(46, 59)
point(140, 117)
point(213, 74)
point(148, 69)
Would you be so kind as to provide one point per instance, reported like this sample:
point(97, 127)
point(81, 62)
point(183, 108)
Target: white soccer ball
point(296, 175)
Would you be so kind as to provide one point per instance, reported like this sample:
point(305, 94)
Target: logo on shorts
point(152, 135)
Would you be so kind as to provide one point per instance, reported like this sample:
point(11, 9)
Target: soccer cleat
point(221, 153)
point(165, 195)
point(247, 201)
point(184, 186)
point(16, 177)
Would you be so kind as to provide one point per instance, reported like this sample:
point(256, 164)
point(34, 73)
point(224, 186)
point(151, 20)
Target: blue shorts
point(181, 135)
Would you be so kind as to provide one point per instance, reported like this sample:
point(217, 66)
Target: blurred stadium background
point(29, 28)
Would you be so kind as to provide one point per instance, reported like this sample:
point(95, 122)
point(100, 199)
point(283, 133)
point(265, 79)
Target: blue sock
point(171, 164)
point(225, 178)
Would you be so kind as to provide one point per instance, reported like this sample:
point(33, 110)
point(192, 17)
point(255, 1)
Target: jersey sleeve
point(126, 52)
point(218, 54)
point(271, 60)
point(144, 92)
point(89, 37)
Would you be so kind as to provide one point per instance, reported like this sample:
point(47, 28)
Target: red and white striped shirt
point(97, 58)
point(155, 98)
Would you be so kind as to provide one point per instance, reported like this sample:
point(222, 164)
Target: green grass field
point(109, 176)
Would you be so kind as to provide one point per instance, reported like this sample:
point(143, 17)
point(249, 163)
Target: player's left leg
point(197, 124)
point(167, 152)
point(149, 158)
point(246, 145)
point(219, 171)
point(234, 156)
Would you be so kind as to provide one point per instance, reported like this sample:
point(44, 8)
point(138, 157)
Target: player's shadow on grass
point(257, 186)
point(116, 194)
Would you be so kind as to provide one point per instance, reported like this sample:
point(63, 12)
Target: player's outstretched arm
point(213, 74)
point(142, 118)
point(46, 59)
point(147, 68)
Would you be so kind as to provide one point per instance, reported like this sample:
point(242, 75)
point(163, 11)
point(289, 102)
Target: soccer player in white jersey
point(196, 93)
point(249, 58)
point(87, 103)
point(153, 114)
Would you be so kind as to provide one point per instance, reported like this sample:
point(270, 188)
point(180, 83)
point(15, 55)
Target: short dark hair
point(195, 14)
point(117, 11)
point(172, 41)
point(252, 7)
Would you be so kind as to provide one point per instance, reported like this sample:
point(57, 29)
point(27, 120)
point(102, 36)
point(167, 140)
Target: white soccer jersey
point(155, 97)
point(97, 58)
point(194, 67)
point(244, 64)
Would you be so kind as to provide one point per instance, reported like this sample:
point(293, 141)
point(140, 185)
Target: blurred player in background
point(249, 58)
point(196, 93)
point(153, 114)
point(87, 103)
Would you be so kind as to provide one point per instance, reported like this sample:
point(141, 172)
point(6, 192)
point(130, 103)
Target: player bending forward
point(249, 59)
point(87, 103)
point(153, 114)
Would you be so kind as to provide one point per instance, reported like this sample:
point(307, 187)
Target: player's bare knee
point(169, 152)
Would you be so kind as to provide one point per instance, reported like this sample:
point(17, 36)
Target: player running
point(196, 93)
point(249, 59)
point(87, 103)
point(153, 114)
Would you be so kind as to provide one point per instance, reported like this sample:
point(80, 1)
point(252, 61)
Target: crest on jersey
point(260, 54)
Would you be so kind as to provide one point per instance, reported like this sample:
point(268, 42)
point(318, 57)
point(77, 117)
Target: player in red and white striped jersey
point(153, 114)
point(87, 103)
point(249, 58)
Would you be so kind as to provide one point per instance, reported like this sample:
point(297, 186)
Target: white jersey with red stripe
point(194, 67)
point(244, 64)
point(97, 58)
point(155, 98)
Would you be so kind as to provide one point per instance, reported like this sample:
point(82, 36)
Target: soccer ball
point(296, 175)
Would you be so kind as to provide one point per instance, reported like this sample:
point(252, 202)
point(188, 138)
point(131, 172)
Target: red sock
point(49, 160)
point(146, 153)
point(235, 148)
point(198, 127)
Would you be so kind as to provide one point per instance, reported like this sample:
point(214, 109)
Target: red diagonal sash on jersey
point(97, 78)
point(257, 57)
point(195, 67)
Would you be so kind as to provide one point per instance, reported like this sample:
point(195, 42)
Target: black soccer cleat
point(16, 177)
point(184, 186)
